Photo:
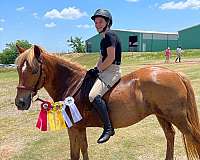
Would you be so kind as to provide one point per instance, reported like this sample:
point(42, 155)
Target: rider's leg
point(100, 105)
point(95, 97)
point(108, 78)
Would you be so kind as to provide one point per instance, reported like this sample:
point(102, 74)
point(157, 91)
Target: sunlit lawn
point(21, 140)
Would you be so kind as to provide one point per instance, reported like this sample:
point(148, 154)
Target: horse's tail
point(192, 140)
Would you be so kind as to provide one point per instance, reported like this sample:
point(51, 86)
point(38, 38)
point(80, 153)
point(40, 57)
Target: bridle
point(37, 85)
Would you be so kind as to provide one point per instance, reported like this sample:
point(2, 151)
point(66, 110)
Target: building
point(189, 37)
point(138, 41)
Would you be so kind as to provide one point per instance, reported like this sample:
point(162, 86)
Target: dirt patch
point(6, 151)
point(10, 146)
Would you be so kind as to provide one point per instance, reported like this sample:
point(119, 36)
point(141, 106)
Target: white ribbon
point(76, 116)
point(66, 117)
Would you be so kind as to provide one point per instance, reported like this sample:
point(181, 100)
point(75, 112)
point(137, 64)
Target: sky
point(50, 23)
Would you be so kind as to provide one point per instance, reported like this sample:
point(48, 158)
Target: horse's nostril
point(20, 103)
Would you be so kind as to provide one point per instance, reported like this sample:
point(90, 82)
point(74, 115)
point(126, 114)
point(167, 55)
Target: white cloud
point(84, 26)
point(2, 20)
point(1, 29)
point(132, 0)
point(50, 25)
point(35, 15)
point(193, 4)
point(20, 9)
point(66, 13)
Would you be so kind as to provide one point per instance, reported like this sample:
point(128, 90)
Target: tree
point(76, 44)
point(10, 53)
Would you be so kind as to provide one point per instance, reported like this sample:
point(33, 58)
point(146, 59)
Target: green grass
point(6, 70)
point(21, 140)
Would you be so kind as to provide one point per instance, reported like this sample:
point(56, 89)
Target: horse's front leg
point(74, 143)
point(83, 143)
point(78, 141)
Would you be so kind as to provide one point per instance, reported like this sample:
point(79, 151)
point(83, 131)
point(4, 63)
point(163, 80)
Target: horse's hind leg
point(169, 134)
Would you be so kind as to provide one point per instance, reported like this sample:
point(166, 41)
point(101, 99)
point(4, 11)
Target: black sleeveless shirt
point(111, 40)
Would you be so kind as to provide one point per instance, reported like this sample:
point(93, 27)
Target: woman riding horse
point(107, 69)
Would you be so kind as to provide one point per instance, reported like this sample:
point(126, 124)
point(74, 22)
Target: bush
point(10, 53)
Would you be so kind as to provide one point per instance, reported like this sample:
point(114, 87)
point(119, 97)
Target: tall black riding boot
point(100, 105)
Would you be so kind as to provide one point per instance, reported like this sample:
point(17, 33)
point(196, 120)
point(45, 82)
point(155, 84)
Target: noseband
point(36, 87)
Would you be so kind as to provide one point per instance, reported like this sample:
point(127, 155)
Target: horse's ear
point(37, 53)
point(20, 49)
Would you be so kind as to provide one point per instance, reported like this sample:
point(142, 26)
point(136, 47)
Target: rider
point(107, 69)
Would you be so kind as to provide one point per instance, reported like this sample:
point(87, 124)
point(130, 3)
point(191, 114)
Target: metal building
point(138, 41)
point(189, 37)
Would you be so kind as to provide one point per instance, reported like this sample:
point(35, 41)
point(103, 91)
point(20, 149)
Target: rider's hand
point(93, 72)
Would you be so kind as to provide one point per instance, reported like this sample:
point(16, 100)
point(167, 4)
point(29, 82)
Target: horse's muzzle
point(23, 103)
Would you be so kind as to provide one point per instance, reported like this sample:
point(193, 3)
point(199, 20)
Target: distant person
point(167, 55)
point(178, 54)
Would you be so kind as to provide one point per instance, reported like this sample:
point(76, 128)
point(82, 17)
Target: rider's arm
point(99, 61)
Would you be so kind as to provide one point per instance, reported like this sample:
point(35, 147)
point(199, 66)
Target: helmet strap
point(104, 29)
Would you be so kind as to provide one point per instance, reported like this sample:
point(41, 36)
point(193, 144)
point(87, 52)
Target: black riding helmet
point(105, 14)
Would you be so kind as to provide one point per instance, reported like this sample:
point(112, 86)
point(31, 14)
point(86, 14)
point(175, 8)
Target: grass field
point(21, 140)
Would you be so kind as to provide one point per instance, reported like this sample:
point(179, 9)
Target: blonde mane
point(29, 56)
point(67, 62)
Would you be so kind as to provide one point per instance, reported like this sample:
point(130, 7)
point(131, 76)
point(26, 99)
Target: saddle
point(87, 85)
point(84, 90)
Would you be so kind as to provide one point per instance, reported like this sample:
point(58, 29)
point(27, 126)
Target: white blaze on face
point(24, 66)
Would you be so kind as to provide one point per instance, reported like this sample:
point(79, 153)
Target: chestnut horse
point(151, 90)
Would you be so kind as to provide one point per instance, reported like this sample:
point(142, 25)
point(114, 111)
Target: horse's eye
point(35, 71)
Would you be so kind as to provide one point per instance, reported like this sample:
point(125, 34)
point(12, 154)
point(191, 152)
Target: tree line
point(10, 53)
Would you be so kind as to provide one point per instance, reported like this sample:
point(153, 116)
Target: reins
point(75, 91)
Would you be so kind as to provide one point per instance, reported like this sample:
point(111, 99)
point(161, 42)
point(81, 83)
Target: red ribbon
point(42, 119)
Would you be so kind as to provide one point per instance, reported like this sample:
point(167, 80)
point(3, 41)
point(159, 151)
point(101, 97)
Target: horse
point(150, 90)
